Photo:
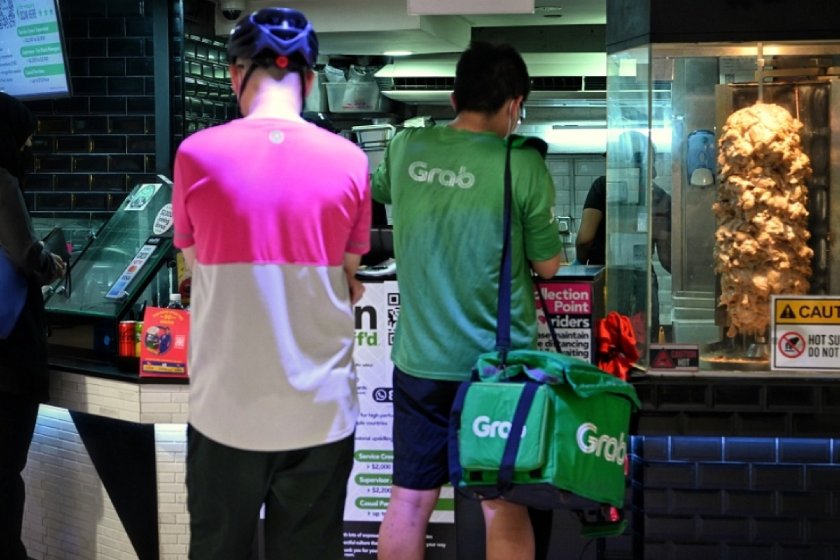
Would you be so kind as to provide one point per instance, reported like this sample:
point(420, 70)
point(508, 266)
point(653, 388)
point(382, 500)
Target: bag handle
point(508, 461)
point(526, 399)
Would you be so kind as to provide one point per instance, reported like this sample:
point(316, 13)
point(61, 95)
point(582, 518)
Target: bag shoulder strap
point(523, 406)
point(503, 321)
point(455, 471)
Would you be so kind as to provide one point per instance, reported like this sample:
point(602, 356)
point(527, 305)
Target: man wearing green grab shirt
point(445, 186)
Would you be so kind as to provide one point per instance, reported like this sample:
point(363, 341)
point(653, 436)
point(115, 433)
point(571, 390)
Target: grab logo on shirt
point(420, 172)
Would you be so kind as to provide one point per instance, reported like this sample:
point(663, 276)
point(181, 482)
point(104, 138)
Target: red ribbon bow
point(616, 345)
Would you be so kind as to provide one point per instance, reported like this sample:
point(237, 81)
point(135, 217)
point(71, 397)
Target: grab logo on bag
point(483, 427)
point(609, 448)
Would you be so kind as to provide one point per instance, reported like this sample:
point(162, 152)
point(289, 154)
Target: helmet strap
point(246, 78)
point(302, 74)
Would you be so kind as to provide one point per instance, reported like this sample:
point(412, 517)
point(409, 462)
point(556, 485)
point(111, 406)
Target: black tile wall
point(778, 476)
point(727, 406)
point(736, 497)
point(728, 469)
point(750, 450)
point(92, 148)
point(748, 502)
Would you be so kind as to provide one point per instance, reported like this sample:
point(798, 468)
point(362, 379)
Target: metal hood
point(557, 79)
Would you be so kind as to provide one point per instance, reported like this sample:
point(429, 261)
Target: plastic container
point(374, 135)
point(317, 98)
point(175, 301)
point(358, 97)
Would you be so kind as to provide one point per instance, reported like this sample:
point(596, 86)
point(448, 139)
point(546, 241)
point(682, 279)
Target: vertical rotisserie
point(762, 215)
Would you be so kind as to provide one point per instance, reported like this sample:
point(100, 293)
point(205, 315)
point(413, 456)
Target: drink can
point(138, 337)
point(125, 336)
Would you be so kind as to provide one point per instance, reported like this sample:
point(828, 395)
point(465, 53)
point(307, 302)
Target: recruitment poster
point(368, 489)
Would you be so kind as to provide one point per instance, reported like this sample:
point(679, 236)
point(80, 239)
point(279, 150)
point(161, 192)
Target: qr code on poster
point(7, 14)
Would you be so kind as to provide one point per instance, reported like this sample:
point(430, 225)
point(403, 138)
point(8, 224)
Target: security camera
point(232, 9)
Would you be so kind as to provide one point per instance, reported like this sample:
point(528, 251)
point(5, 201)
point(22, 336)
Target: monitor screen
point(33, 63)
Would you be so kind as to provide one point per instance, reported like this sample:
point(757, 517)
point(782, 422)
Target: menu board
point(32, 56)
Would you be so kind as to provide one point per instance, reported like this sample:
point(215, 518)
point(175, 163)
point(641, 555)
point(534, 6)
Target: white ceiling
point(371, 27)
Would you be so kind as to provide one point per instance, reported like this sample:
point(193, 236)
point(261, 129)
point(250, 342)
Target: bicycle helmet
point(274, 36)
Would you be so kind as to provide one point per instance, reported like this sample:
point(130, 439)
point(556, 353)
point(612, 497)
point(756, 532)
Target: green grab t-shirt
point(446, 190)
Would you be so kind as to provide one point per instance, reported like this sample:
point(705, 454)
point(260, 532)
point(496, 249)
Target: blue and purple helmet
point(270, 34)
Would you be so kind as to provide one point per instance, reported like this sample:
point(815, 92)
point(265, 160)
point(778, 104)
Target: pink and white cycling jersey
point(271, 207)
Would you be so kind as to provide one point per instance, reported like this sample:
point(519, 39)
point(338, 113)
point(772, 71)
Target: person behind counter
point(446, 188)
point(24, 381)
point(272, 214)
point(591, 240)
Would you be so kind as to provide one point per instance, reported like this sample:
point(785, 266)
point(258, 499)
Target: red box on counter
point(163, 342)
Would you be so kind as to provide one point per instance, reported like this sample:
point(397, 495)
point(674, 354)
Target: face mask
point(513, 123)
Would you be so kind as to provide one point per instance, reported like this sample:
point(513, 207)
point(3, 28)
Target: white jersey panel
point(270, 361)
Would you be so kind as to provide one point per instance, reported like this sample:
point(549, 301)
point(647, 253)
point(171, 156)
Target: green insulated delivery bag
point(546, 430)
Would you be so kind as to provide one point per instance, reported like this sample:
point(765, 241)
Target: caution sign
point(674, 357)
point(806, 333)
point(806, 311)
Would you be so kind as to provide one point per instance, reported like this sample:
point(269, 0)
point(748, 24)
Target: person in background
point(591, 240)
point(272, 214)
point(24, 380)
point(446, 188)
point(590, 243)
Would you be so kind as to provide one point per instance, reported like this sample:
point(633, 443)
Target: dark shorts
point(303, 490)
point(421, 430)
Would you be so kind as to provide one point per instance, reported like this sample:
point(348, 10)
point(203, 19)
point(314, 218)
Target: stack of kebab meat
point(762, 215)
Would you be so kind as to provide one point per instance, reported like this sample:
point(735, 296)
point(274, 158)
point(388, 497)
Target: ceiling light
point(397, 53)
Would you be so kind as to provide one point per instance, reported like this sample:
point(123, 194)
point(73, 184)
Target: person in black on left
point(23, 354)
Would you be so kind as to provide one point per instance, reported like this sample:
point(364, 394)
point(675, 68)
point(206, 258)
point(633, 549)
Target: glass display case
point(128, 264)
point(677, 259)
point(78, 232)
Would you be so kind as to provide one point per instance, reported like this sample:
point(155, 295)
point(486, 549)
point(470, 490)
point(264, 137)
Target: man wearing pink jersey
point(272, 214)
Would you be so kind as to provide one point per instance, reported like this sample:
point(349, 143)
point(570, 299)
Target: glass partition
point(667, 253)
point(127, 265)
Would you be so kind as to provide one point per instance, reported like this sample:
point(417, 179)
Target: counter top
point(126, 370)
point(703, 403)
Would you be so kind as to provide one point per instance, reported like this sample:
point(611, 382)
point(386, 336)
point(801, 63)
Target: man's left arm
point(543, 246)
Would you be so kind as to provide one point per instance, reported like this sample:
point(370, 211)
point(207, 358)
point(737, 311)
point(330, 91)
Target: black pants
point(17, 424)
point(303, 491)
